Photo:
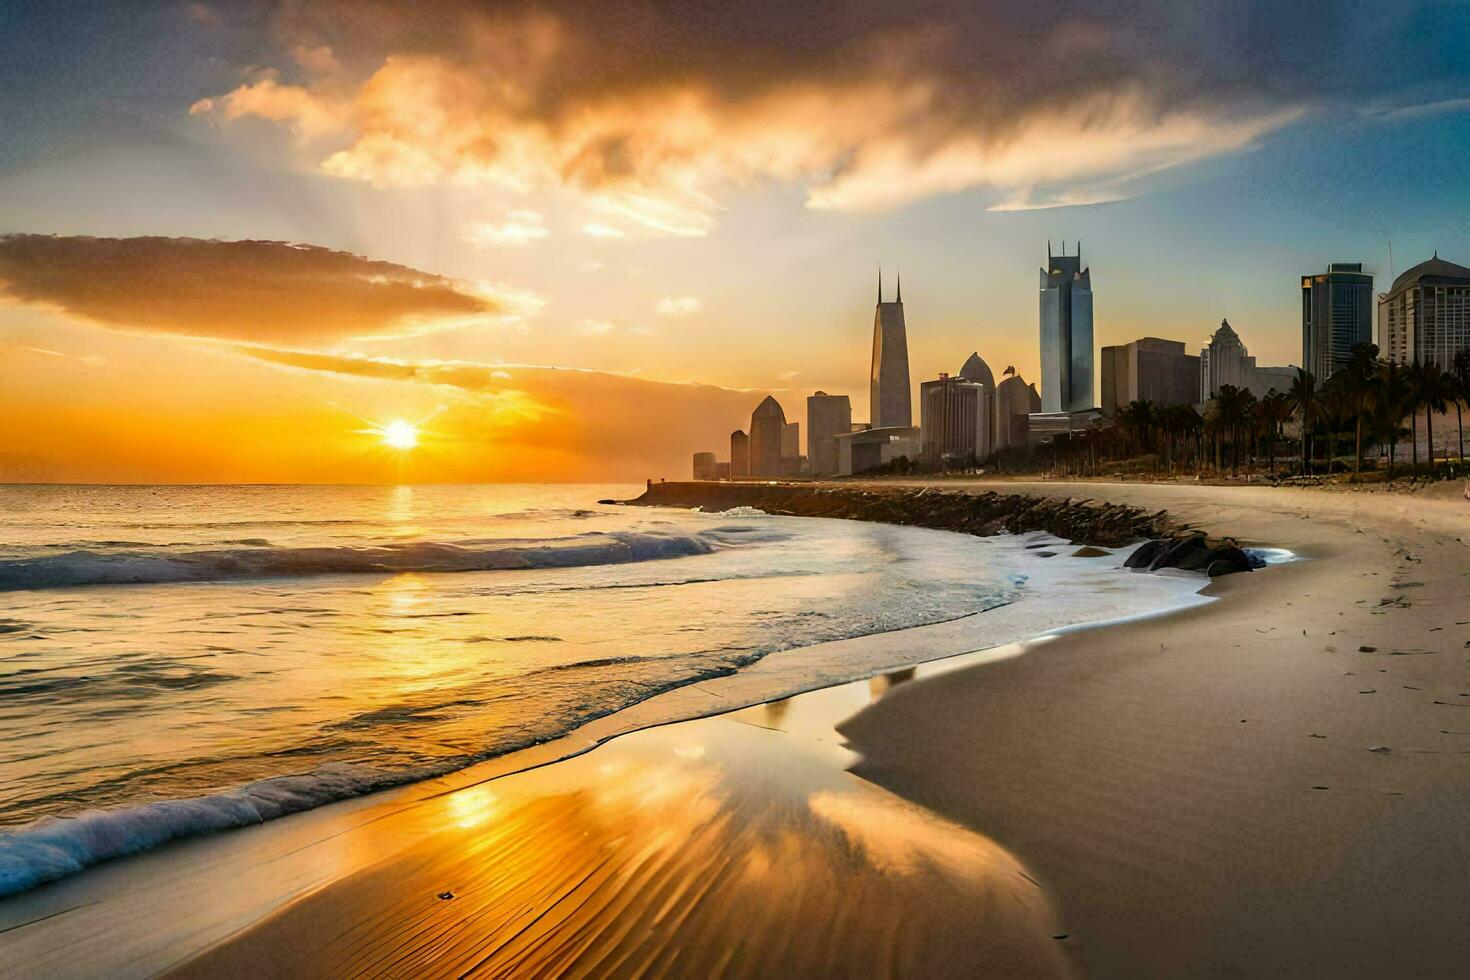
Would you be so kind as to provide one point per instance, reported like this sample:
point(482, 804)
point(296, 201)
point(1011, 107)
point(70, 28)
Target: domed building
point(1426, 315)
point(977, 370)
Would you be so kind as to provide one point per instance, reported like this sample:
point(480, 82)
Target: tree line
point(1361, 408)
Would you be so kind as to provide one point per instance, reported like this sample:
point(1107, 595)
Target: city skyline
point(534, 324)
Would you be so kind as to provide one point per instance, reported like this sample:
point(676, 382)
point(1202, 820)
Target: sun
point(399, 434)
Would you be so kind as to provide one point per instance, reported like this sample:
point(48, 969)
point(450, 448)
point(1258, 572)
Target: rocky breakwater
point(1085, 522)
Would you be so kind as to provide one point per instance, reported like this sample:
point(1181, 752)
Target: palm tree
point(1460, 372)
point(1273, 411)
point(1139, 417)
point(1432, 390)
point(1361, 377)
point(1393, 399)
point(1336, 407)
point(1303, 402)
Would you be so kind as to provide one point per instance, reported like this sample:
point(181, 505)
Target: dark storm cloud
point(650, 109)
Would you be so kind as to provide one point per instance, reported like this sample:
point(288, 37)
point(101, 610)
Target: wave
point(77, 568)
point(54, 847)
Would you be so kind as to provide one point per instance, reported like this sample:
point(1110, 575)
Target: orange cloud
point(244, 290)
point(650, 120)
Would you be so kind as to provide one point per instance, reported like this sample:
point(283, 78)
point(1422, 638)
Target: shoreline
point(935, 642)
point(1036, 755)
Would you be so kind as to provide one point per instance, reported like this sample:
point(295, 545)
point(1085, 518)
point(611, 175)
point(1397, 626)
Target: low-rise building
point(1149, 369)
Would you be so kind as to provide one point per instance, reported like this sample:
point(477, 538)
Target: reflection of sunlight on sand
point(899, 838)
point(472, 807)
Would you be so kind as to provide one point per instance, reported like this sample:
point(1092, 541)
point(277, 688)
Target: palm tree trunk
point(1358, 450)
point(1414, 434)
point(1460, 419)
point(1429, 437)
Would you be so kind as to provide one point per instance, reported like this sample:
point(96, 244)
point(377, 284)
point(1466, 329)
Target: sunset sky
point(579, 241)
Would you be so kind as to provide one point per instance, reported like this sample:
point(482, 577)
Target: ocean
point(177, 660)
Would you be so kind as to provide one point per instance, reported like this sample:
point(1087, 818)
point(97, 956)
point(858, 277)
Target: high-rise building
point(1151, 370)
point(739, 454)
point(888, 383)
point(1066, 333)
point(1337, 312)
point(1225, 361)
point(767, 430)
point(955, 418)
point(704, 466)
point(827, 417)
point(1425, 317)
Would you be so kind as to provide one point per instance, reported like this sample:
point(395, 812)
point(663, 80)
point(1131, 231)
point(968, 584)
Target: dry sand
point(1145, 792)
point(1277, 783)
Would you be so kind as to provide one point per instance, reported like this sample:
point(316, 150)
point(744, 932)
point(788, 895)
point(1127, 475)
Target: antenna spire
point(880, 285)
point(899, 298)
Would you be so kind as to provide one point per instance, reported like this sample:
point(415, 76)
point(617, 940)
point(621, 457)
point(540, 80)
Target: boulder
point(1090, 552)
point(1225, 560)
point(1145, 553)
point(1176, 552)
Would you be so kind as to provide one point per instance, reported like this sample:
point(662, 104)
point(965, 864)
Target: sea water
point(176, 660)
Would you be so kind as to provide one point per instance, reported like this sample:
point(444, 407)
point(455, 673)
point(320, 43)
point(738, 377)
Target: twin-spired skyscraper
point(888, 383)
point(1066, 333)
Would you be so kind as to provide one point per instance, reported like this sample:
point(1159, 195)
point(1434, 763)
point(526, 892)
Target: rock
point(607, 500)
point(1046, 554)
point(1223, 561)
point(1090, 552)
point(1145, 553)
point(1172, 555)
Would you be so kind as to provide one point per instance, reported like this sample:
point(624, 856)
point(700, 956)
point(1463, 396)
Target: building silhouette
point(739, 454)
point(767, 432)
point(705, 466)
point(888, 382)
point(1149, 369)
point(827, 417)
point(1225, 361)
point(1337, 312)
point(1066, 333)
point(1425, 317)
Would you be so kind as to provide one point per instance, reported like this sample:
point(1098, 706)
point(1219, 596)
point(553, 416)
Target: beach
point(1270, 782)
point(1274, 783)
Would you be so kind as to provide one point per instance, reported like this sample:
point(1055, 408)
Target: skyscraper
point(1337, 312)
point(1066, 333)
point(889, 381)
point(1425, 318)
point(827, 417)
point(767, 428)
